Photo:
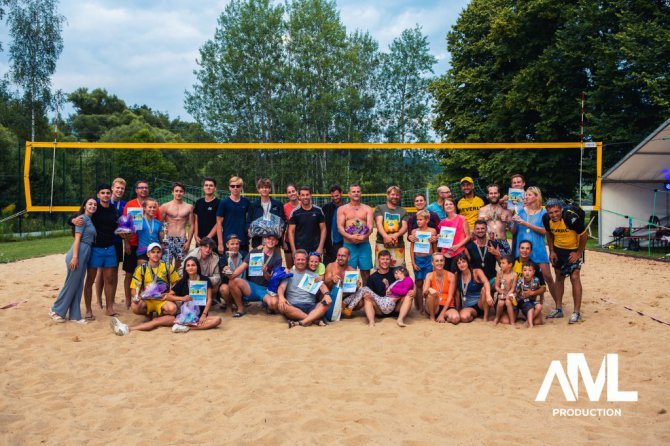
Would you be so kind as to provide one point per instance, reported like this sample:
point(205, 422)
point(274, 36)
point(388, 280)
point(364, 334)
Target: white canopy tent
point(629, 188)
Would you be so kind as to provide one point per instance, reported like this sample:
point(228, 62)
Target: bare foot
point(401, 323)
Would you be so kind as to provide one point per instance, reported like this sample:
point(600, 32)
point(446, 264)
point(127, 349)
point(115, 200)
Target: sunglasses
point(235, 186)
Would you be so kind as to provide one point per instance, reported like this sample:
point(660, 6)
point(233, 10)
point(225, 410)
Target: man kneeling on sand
point(150, 291)
point(296, 296)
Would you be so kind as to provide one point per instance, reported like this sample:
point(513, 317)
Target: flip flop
point(238, 314)
point(89, 317)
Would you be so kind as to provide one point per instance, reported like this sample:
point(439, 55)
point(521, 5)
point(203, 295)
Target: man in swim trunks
point(566, 238)
point(296, 303)
point(335, 274)
point(177, 213)
point(497, 218)
point(333, 238)
point(438, 206)
point(255, 287)
point(391, 221)
point(354, 223)
point(469, 204)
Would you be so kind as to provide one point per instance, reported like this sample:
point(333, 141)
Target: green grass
point(26, 249)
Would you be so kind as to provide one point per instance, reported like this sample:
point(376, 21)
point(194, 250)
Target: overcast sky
point(145, 51)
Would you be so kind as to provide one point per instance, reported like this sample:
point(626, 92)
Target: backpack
point(573, 215)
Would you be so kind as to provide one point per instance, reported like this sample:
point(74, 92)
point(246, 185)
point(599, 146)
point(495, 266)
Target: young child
point(227, 264)
point(504, 286)
point(528, 288)
point(403, 283)
point(422, 262)
point(151, 232)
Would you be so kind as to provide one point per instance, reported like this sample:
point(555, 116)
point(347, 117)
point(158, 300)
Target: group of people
point(461, 261)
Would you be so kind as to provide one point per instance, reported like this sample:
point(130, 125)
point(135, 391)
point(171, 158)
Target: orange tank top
point(443, 290)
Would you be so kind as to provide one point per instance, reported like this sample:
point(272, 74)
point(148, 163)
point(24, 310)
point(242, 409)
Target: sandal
point(89, 317)
point(56, 317)
point(238, 314)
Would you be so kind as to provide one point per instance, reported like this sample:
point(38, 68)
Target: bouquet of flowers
point(125, 227)
point(154, 290)
point(357, 228)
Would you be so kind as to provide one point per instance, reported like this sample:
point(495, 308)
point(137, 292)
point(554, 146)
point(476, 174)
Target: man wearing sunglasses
point(231, 218)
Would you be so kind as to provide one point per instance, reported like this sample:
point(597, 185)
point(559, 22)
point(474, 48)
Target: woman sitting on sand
point(190, 316)
point(76, 259)
point(474, 289)
point(193, 316)
point(438, 290)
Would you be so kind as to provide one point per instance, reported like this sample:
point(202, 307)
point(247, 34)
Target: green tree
point(35, 28)
point(518, 70)
point(406, 102)
point(240, 82)
point(94, 112)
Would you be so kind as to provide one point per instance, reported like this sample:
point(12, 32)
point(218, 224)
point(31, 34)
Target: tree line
point(292, 72)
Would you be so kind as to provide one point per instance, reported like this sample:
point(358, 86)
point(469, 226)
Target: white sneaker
point(118, 327)
point(178, 328)
point(81, 321)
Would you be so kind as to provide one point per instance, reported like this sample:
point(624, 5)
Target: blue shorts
point(103, 257)
point(257, 293)
point(360, 255)
point(425, 264)
point(305, 307)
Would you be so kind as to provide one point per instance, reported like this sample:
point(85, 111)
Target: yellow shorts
point(155, 305)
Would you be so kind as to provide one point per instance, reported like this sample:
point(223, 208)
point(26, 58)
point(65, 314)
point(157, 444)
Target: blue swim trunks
point(103, 257)
point(425, 265)
point(257, 293)
point(360, 255)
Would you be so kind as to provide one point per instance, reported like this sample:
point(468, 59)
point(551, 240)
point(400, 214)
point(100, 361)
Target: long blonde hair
point(536, 191)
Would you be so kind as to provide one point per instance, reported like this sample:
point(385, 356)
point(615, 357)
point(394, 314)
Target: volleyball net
point(58, 176)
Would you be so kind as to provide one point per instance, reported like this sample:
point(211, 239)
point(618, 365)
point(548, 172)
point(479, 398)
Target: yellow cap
point(467, 180)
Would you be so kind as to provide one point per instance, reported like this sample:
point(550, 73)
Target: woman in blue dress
point(76, 260)
point(528, 226)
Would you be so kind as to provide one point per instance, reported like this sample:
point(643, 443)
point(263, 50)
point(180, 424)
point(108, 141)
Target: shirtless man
point(335, 270)
point(356, 217)
point(497, 218)
point(177, 213)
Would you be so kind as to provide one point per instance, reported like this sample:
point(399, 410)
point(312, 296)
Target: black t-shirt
point(375, 282)
point(206, 212)
point(489, 261)
point(307, 227)
point(271, 264)
point(181, 287)
point(104, 220)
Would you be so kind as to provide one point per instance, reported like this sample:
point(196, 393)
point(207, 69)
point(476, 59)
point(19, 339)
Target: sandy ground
point(254, 381)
